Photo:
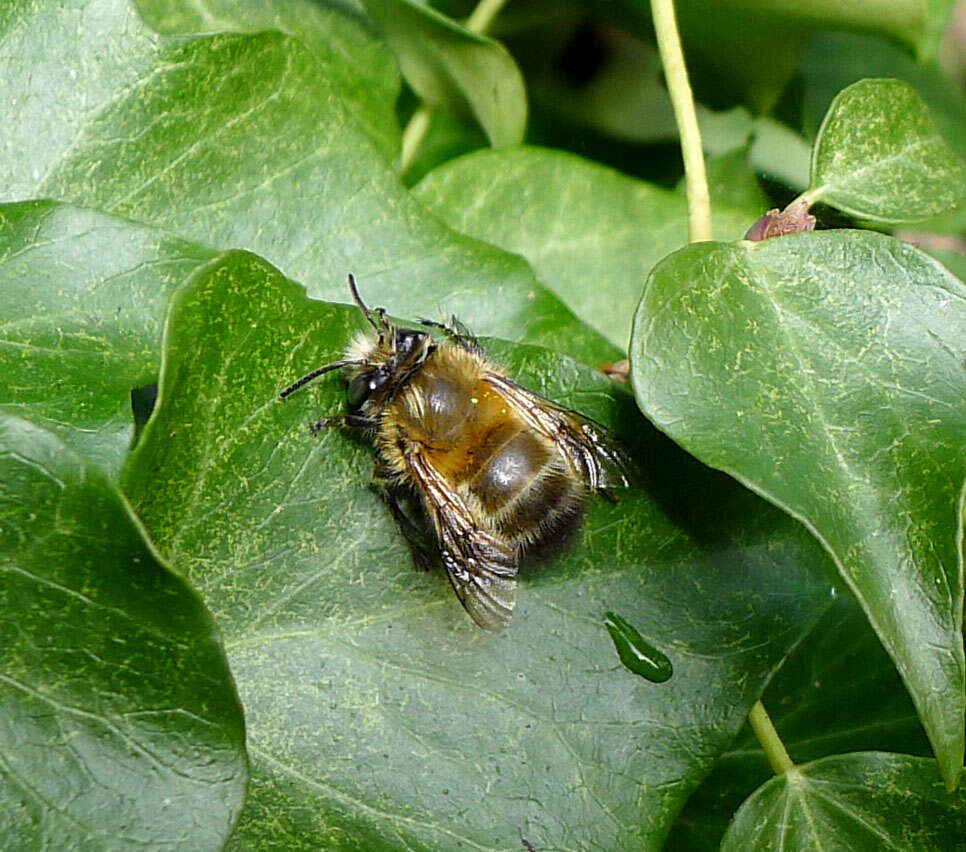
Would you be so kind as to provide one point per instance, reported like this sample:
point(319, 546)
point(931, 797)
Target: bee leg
point(353, 421)
point(457, 332)
point(424, 556)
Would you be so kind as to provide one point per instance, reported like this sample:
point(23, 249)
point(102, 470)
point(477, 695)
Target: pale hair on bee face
point(362, 346)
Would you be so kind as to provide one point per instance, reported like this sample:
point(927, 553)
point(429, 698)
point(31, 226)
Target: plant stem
point(676, 75)
point(699, 229)
point(484, 13)
point(478, 22)
point(413, 135)
point(774, 748)
point(809, 197)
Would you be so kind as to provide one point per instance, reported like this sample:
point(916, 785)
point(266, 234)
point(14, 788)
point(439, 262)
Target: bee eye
point(406, 339)
point(365, 385)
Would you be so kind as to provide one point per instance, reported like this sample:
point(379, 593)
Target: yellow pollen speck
point(474, 400)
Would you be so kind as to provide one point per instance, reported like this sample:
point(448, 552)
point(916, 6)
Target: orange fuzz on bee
point(498, 470)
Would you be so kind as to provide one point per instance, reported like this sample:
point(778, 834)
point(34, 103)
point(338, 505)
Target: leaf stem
point(478, 22)
point(774, 748)
point(482, 16)
point(413, 135)
point(809, 197)
point(679, 88)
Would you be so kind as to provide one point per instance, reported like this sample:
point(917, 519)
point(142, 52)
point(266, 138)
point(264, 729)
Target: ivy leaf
point(84, 297)
point(825, 371)
point(878, 156)
point(377, 712)
point(591, 234)
point(235, 139)
point(837, 692)
point(361, 68)
point(861, 801)
point(119, 726)
point(833, 61)
point(954, 261)
point(448, 65)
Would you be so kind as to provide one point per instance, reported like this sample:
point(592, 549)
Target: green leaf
point(837, 692)
point(825, 372)
point(244, 140)
point(833, 61)
point(590, 233)
point(954, 261)
point(879, 156)
point(378, 714)
point(447, 65)
point(360, 68)
point(119, 727)
point(83, 299)
point(862, 801)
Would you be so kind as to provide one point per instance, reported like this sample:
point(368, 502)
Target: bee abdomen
point(528, 490)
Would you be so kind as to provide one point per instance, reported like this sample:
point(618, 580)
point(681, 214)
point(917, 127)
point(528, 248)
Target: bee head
point(380, 363)
point(386, 362)
point(376, 364)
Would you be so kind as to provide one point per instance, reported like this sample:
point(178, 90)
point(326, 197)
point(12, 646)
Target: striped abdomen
point(525, 487)
point(473, 437)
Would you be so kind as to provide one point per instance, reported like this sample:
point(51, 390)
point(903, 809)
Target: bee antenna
point(380, 326)
point(335, 365)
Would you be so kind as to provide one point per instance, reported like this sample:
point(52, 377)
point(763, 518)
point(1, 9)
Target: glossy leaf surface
point(834, 61)
point(119, 723)
point(590, 233)
point(862, 801)
point(244, 140)
point(826, 372)
point(447, 65)
point(837, 692)
point(378, 713)
point(878, 156)
point(83, 299)
point(360, 68)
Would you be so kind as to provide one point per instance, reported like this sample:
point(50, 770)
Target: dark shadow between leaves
point(143, 400)
point(707, 503)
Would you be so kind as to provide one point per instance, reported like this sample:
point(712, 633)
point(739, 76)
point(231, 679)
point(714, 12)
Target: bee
point(496, 469)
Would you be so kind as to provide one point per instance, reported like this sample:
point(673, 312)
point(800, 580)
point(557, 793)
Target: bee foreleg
point(353, 421)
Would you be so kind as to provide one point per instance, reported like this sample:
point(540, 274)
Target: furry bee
point(497, 469)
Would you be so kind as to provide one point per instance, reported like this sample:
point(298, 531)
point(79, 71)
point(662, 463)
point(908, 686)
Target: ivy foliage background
point(212, 633)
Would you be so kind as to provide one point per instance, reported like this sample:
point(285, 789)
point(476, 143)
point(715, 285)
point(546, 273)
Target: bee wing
point(600, 459)
point(481, 568)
